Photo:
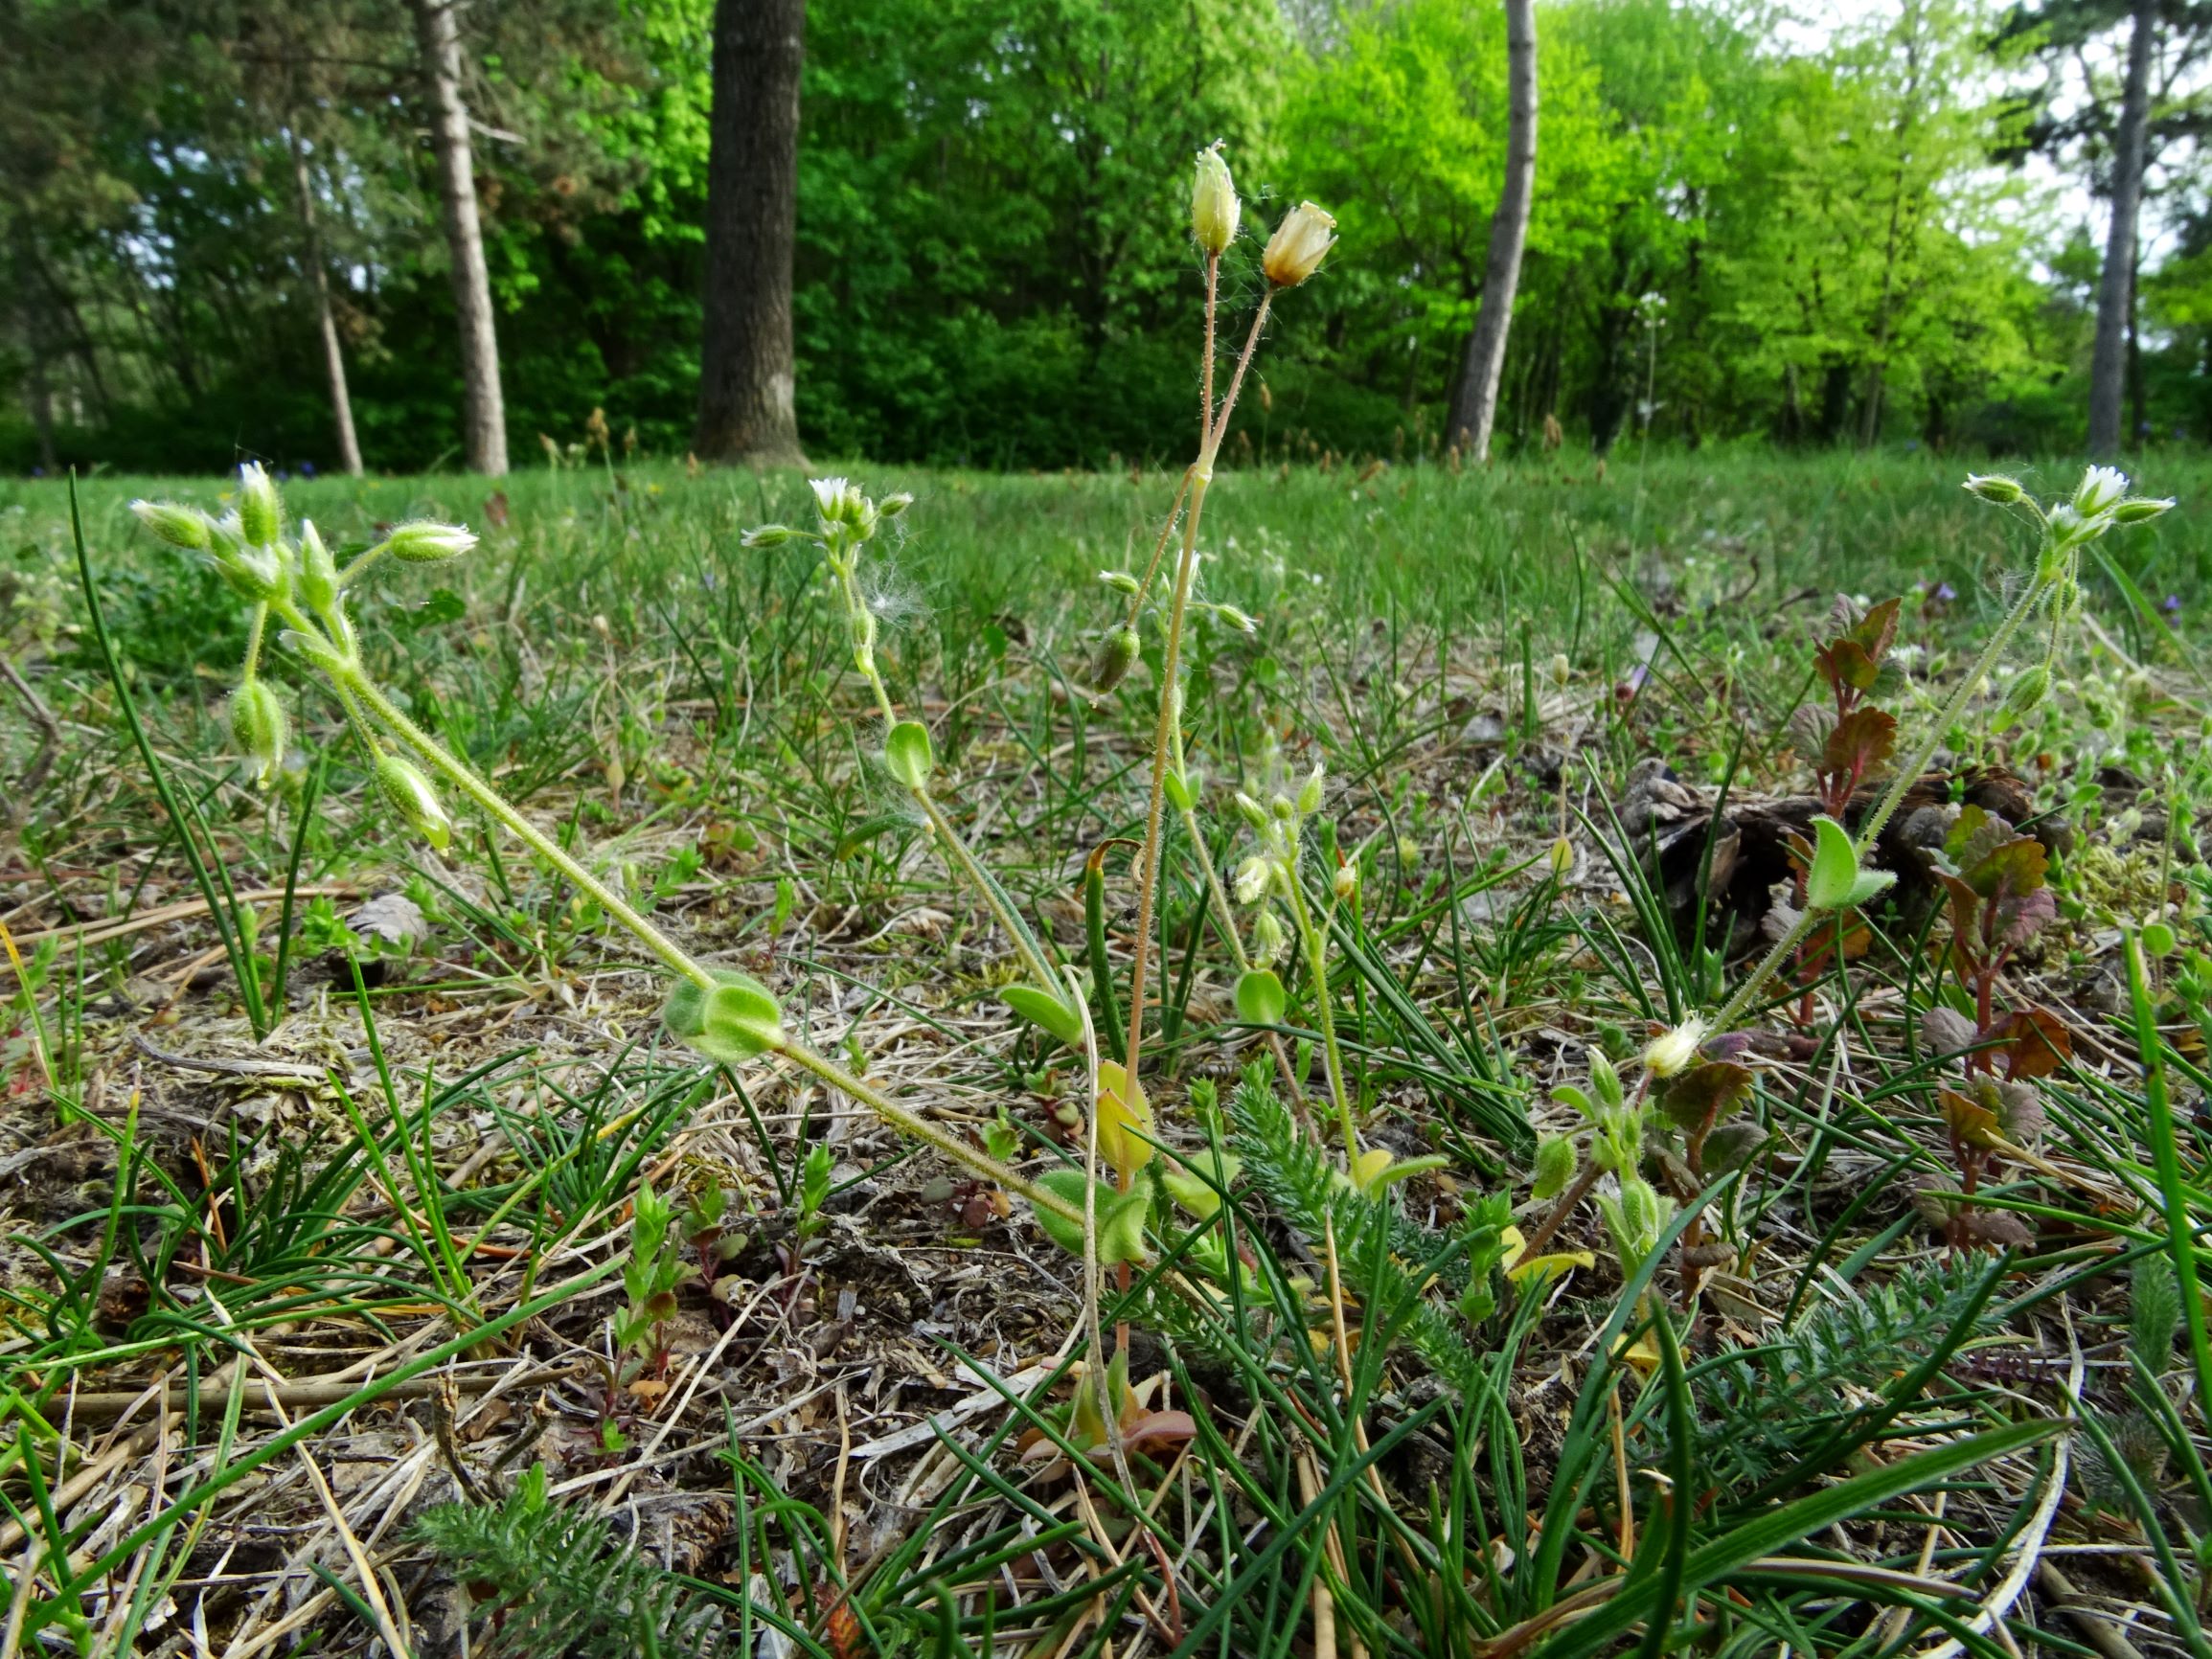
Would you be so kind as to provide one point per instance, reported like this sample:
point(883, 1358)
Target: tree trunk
point(2115, 289)
point(483, 410)
point(333, 354)
point(1476, 406)
point(745, 356)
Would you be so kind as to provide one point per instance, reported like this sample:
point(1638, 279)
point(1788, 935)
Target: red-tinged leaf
point(1971, 1123)
point(1156, 1429)
point(1861, 744)
point(2036, 1044)
point(1877, 630)
point(1970, 821)
point(2025, 916)
point(2010, 868)
point(1705, 1094)
point(1844, 662)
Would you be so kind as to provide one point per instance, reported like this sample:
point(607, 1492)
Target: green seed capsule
point(1115, 658)
point(259, 727)
point(409, 793)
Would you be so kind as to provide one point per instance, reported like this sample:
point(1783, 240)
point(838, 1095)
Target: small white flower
point(1253, 877)
point(2102, 489)
point(1671, 1051)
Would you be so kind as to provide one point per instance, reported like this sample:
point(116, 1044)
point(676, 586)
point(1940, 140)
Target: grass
point(300, 1336)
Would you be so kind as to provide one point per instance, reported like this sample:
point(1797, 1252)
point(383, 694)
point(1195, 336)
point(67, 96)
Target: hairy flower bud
point(1555, 1166)
point(402, 783)
point(185, 526)
point(260, 518)
point(258, 727)
point(318, 572)
point(421, 541)
point(1295, 251)
point(1214, 206)
point(2029, 690)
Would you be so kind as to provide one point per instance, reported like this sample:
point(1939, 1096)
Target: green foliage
point(1384, 1256)
point(546, 1581)
point(1761, 1409)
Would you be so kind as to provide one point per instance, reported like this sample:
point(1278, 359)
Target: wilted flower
point(1671, 1051)
point(1296, 249)
point(1252, 879)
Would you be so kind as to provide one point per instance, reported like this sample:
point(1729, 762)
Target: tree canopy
point(1739, 230)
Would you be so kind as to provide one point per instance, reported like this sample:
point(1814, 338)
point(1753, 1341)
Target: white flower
point(1253, 877)
point(1671, 1051)
point(2102, 488)
point(1295, 251)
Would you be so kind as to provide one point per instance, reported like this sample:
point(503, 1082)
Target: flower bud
point(2142, 509)
point(2101, 490)
point(1345, 883)
point(1115, 658)
point(409, 794)
point(253, 573)
point(1555, 1166)
point(423, 543)
point(185, 526)
point(1214, 205)
point(2029, 690)
point(259, 516)
point(1996, 487)
point(318, 570)
point(258, 727)
point(1268, 940)
point(1295, 251)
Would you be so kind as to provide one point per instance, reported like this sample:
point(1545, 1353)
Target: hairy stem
point(1171, 666)
point(1318, 968)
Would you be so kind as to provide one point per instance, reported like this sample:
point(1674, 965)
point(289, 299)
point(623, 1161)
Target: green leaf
point(1067, 1185)
point(737, 1018)
point(908, 754)
point(1835, 882)
point(1121, 1227)
point(1712, 1562)
point(1259, 997)
point(1040, 1008)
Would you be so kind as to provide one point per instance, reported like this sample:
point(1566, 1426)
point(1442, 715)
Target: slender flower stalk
point(2067, 528)
point(752, 1024)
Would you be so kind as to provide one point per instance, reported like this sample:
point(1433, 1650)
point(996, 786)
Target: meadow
point(1492, 1261)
